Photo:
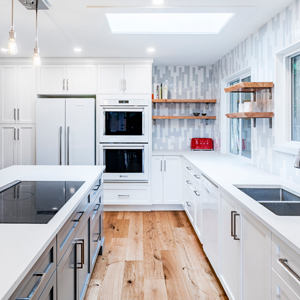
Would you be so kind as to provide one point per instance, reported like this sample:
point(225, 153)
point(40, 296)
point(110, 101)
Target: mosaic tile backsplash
point(256, 51)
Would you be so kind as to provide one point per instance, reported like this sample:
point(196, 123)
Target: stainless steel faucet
point(297, 161)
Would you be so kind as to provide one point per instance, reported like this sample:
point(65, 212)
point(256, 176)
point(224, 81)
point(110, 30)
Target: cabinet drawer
point(96, 208)
point(286, 262)
point(36, 279)
point(96, 236)
point(140, 196)
point(281, 290)
point(190, 204)
point(49, 292)
point(68, 231)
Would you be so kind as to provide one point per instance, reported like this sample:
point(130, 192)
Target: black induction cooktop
point(35, 202)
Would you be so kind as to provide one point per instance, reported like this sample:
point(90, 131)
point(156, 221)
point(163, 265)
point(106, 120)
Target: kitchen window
point(240, 129)
point(295, 84)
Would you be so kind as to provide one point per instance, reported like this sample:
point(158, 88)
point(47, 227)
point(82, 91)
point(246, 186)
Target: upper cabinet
point(17, 94)
point(62, 79)
point(124, 79)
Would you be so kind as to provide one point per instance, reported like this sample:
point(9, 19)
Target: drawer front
point(96, 189)
point(96, 236)
point(36, 279)
point(286, 262)
point(96, 208)
point(68, 231)
point(120, 197)
point(190, 204)
point(49, 292)
point(280, 289)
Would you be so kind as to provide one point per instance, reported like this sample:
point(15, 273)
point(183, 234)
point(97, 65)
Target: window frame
point(239, 78)
point(283, 104)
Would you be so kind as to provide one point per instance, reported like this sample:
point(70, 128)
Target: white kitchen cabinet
point(8, 93)
point(124, 79)
point(166, 180)
point(138, 79)
point(17, 94)
point(62, 79)
point(281, 290)
point(17, 145)
point(245, 253)
point(26, 94)
point(110, 79)
point(230, 271)
point(190, 203)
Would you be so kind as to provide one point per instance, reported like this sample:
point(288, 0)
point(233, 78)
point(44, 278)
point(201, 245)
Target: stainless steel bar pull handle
point(165, 165)
point(67, 84)
point(97, 207)
point(232, 214)
point(81, 214)
point(64, 84)
point(14, 133)
point(161, 165)
point(60, 145)
point(188, 204)
point(18, 134)
point(81, 243)
point(234, 228)
point(15, 114)
point(18, 114)
point(284, 262)
point(35, 288)
point(68, 145)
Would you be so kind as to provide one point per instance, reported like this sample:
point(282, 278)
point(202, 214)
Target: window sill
point(288, 148)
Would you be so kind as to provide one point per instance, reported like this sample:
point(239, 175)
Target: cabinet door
point(190, 204)
point(81, 80)
point(52, 79)
point(8, 93)
point(281, 290)
point(157, 179)
point(26, 144)
point(66, 275)
point(83, 264)
point(49, 292)
point(8, 138)
point(172, 180)
point(138, 79)
point(198, 221)
point(50, 131)
point(230, 273)
point(80, 126)
point(26, 94)
point(110, 79)
point(256, 263)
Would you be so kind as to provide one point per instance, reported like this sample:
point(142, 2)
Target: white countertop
point(227, 170)
point(22, 245)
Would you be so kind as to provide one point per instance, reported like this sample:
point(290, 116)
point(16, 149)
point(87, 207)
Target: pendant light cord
point(12, 15)
point(36, 35)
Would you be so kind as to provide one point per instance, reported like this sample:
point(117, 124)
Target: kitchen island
point(23, 244)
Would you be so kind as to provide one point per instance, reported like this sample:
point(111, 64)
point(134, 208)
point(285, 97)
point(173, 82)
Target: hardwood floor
point(152, 256)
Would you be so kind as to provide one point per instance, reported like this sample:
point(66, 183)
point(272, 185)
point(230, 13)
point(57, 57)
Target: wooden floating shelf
point(184, 117)
point(184, 100)
point(250, 115)
point(249, 87)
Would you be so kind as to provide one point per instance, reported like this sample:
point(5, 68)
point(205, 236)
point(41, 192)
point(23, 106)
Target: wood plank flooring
point(152, 256)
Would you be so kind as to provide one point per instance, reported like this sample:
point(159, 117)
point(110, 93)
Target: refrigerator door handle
point(68, 145)
point(60, 145)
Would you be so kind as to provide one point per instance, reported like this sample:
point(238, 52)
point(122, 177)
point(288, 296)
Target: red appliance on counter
point(202, 144)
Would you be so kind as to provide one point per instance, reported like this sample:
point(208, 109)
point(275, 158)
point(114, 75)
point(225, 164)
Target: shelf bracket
point(254, 122)
point(270, 93)
point(254, 97)
point(154, 122)
point(154, 105)
point(270, 123)
point(206, 122)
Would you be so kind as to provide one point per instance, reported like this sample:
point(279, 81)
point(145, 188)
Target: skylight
point(168, 23)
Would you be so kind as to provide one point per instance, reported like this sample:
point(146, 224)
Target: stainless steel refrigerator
point(65, 131)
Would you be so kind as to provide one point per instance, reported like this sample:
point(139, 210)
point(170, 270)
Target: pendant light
point(12, 44)
point(36, 56)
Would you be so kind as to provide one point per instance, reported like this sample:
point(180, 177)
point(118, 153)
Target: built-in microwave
point(125, 162)
point(124, 121)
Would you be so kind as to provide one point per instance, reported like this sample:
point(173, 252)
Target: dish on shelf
point(204, 114)
point(196, 114)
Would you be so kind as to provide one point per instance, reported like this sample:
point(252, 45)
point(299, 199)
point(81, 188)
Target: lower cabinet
point(49, 292)
point(166, 180)
point(245, 253)
point(190, 203)
point(17, 145)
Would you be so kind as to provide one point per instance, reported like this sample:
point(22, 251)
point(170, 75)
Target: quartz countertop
point(228, 171)
point(23, 244)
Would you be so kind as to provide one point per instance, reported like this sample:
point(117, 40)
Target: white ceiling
point(82, 23)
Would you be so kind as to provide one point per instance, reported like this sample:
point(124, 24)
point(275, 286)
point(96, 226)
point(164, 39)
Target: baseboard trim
point(176, 207)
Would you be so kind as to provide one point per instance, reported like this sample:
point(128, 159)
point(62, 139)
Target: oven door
point(125, 162)
point(124, 124)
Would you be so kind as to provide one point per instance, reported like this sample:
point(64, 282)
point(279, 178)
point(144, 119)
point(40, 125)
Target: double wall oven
point(123, 128)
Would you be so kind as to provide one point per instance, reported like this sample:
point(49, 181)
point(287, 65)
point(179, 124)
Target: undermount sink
point(277, 200)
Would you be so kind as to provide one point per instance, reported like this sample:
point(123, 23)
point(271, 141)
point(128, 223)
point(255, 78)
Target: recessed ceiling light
point(168, 23)
point(77, 49)
point(4, 50)
point(158, 2)
point(151, 50)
